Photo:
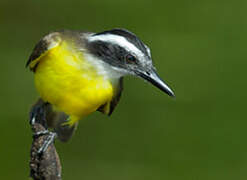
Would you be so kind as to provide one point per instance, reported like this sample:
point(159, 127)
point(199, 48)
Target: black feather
point(39, 49)
point(131, 37)
point(115, 99)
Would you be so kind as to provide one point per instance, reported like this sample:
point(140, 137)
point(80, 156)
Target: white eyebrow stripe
point(148, 50)
point(118, 40)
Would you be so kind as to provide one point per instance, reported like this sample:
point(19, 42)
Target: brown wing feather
point(118, 91)
point(40, 48)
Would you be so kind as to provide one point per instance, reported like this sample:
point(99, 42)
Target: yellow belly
point(70, 83)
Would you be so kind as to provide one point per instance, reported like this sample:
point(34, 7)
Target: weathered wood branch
point(46, 165)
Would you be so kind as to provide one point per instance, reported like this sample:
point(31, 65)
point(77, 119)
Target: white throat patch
point(103, 69)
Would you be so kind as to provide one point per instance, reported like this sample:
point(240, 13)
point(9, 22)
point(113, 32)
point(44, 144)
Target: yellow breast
point(68, 81)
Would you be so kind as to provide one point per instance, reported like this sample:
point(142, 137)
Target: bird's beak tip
point(154, 79)
point(172, 94)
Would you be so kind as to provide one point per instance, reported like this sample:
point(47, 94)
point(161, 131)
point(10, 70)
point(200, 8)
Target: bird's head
point(126, 54)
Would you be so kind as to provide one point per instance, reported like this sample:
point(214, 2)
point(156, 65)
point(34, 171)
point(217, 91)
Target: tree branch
point(46, 165)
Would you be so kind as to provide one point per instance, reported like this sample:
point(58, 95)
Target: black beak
point(154, 79)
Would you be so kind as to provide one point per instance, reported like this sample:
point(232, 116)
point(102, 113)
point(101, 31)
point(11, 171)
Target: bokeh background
point(199, 48)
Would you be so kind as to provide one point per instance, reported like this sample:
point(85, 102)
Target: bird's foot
point(50, 137)
point(39, 126)
point(40, 133)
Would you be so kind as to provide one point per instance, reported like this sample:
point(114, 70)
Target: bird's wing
point(42, 48)
point(109, 107)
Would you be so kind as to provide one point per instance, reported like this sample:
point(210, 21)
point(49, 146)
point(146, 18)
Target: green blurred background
point(199, 48)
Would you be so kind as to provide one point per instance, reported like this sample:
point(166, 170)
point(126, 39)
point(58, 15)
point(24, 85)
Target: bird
point(77, 73)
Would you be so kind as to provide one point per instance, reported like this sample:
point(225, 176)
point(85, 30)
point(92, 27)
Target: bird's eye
point(130, 58)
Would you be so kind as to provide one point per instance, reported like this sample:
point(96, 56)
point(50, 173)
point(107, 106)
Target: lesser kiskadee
point(77, 73)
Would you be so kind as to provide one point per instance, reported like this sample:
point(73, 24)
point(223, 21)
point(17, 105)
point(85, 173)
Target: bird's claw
point(47, 142)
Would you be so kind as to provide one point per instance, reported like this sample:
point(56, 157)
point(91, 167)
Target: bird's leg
point(38, 115)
